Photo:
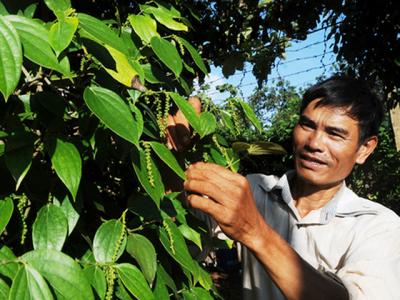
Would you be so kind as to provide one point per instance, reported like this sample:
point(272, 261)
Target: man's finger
point(196, 103)
point(182, 128)
point(172, 135)
point(225, 173)
point(207, 205)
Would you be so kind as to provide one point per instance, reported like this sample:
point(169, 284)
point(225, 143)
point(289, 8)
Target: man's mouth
point(312, 159)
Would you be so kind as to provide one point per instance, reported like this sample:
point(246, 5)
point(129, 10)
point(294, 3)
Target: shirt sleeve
point(371, 267)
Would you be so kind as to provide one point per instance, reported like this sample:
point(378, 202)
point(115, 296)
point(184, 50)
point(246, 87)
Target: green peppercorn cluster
point(21, 208)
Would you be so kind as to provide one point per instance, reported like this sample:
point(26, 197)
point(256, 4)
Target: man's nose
point(316, 141)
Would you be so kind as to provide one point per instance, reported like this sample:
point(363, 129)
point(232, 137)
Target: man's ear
point(366, 149)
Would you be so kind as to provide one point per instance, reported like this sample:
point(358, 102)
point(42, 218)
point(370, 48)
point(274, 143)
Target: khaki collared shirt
point(353, 240)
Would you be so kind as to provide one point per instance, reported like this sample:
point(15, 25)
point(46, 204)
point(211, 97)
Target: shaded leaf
point(10, 57)
point(167, 278)
point(251, 115)
point(167, 53)
point(6, 210)
point(97, 280)
point(7, 270)
point(50, 228)
point(63, 274)
point(168, 158)
point(134, 281)
point(114, 112)
point(190, 234)
point(196, 56)
point(29, 284)
point(143, 251)
point(262, 148)
point(240, 146)
point(228, 121)
point(160, 289)
point(107, 243)
point(67, 163)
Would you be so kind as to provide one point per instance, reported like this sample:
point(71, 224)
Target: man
point(306, 235)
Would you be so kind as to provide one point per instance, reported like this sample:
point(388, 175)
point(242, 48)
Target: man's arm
point(232, 205)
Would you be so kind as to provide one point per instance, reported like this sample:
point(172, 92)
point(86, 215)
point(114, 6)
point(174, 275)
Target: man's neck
point(308, 197)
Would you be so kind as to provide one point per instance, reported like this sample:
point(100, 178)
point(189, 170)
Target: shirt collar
point(281, 193)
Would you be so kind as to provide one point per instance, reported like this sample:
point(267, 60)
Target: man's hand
point(177, 130)
point(230, 200)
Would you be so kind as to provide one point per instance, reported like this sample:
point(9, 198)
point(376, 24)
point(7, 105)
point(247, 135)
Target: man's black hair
point(355, 94)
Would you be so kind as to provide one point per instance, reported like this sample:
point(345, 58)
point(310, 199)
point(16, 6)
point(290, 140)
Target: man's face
point(325, 145)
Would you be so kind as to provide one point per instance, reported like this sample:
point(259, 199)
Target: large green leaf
point(18, 155)
point(168, 158)
point(166, 18)
point(167, 278)
point(178, 248)
point(35, 40)
point(207, 123)
point(196, 293)
point(10, 57)
point(6, 210)
point(196, 56)
point(101, 32)
point(167, 53)
point(114, 112)
point(72, 209)
point(62, 273)
point(144, 26)
point(8, 271)
point(108, 245)
point(67, 163)
point(58, 5)
point(134, 281)
point(5, 290)
point(188, 111)
point(228, 121)
point(29, 284)
point(97, 280)
point(50, 228)
point(62, 32)
point(143, 251)
point(251, 115)
point(160, 289)
point(156, 192)
point(190, 234)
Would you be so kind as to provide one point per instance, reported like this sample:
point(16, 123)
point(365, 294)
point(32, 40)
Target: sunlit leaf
point(262, 148)
point(63, 274)
point(62, 32)
point(188, 111)
point(10, 57)
point(109, 242)
point(207, 123)
point(6, 210)
point(114, 112)
point(50, 228)
point(251, 115)
point(67, 162)
point(56, 5)
point(7, 271)
point(168, 54)
point(166, 18)
point(5, 290)
point(96, 279)
point(144, 26)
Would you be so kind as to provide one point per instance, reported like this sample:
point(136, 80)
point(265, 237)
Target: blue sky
point(305, 60)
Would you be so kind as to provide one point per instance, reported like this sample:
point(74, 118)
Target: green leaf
point(29, 284)
point(101, 32)
point(167, 53)
point(50, 228)
point(67, 163)
point(196, 56)
point(166, 18)
point(7, 271)
point(18, 155)
point(168, 158)
point(5, 290)
point(143, 251)
point(262, 148)
point(72, 209)
point(204, 278)
point(35, 40)
point(167, 278)
point(6, 210)
point(197, 293)
point(114, 112)
point(188, 111)
point(160, 289)
point(144, 26)
point(207, 123)
point(134, 281)
point(177, 249)
point(56, 5)
point(251, 115)
point(62, 32)
point(109, 241)
point(228, 121)
point(97, 280)
point(62, 273)
point(10, 57)
point(190, 234)
point(138, 158)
